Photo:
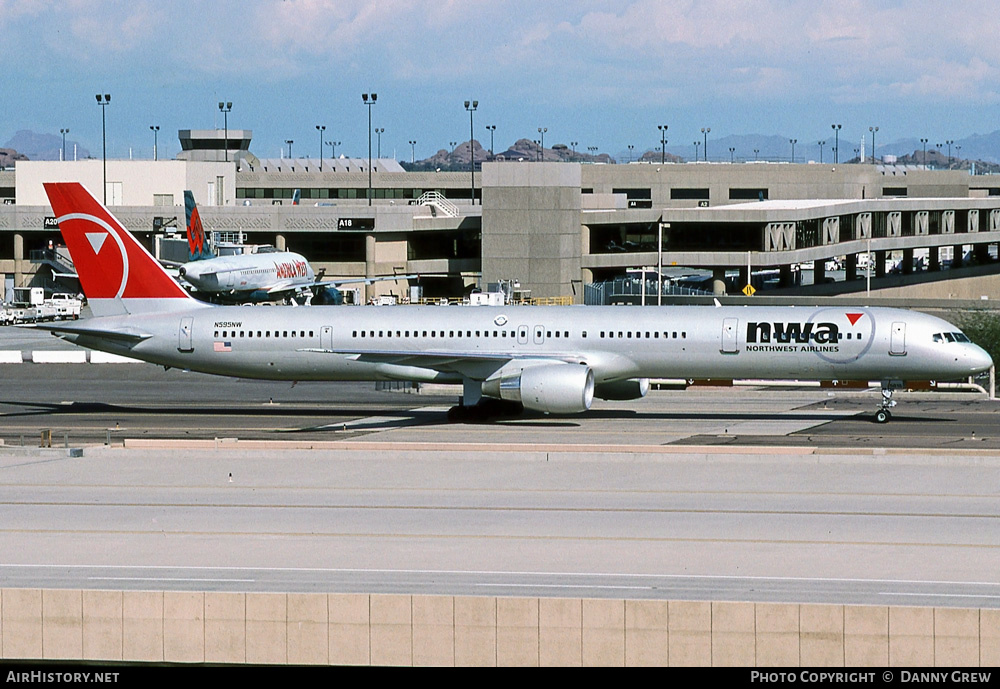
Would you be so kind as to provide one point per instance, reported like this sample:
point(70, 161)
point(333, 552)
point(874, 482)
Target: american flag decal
point(223, 346)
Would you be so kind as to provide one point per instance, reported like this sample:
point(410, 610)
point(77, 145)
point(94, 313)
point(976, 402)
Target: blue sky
point(600, 73)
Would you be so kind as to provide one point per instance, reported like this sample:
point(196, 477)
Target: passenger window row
point(432, 333)
point(556, 334)
point(628, 335)
point(263, 334)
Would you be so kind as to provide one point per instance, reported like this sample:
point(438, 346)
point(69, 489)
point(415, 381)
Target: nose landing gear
point(883, 414)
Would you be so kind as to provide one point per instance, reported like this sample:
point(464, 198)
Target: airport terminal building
point(552, 228)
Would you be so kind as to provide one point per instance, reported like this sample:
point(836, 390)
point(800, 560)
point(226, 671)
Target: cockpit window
point(951, 337)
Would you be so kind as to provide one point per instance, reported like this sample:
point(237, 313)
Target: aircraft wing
point(286, 287)
point(464, 362)
point(367, 281)
point(56, 274)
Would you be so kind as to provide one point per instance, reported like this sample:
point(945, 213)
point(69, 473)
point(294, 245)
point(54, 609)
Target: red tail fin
point(116, 272)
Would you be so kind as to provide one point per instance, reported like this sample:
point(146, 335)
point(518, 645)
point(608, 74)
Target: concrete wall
point(363, 629)
point(531, 227)
point(783, 181)
point(140, 180)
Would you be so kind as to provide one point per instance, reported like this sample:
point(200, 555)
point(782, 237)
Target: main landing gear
point(474, 408)
point(484, 411)
point(883, 414)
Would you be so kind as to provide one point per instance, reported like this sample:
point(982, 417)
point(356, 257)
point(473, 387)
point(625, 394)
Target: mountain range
point(981, 149)
point(35, 146)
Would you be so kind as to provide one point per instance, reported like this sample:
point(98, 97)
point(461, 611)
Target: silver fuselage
point(452, 344)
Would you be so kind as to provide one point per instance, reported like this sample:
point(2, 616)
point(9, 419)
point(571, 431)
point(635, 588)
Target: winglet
point(117, 273)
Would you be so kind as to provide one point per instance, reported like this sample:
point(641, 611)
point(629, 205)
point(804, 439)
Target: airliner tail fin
point(198, 247)
point(117, 273)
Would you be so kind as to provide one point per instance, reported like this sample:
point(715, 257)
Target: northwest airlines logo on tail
point(111, 264)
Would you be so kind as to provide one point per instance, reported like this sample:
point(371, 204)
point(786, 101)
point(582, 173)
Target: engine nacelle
point(631, 389)
point(549, 388)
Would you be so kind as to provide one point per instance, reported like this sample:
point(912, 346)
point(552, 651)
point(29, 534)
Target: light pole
point(321, 128)
point(705, 131)
point(64, 132)
point(663, 142)
point(958, 150)
point(949, 142)
point(573, 145)
point(378, 135)
point(630, 149)
point(821, 145)
point(471, 107)
point(369, 100)
point(104, 102)
point(225, 109)
point(836, 142)
point(155, 129)
point(451, 145)
point(755, 152)
point(593, 151)
point(289, 142)
point(732, 154)
point(333, 146)
point(491, 128)
point(541, 151)
point(924, 142)
point(412, 143)
point(873, 130)
point(793, 142)
point(696, 145)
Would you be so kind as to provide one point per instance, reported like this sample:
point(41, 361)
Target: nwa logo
point(785, 333)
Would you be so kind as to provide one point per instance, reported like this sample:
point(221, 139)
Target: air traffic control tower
point(215, 145)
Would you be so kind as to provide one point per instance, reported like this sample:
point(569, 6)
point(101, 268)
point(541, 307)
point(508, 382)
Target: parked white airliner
point(549, 359)
point(265, 275)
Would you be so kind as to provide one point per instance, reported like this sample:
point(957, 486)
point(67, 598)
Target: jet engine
point(631, 389)
point(549, 388)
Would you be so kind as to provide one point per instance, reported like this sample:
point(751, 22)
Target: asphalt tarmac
point(789, 494)
point(98, 403)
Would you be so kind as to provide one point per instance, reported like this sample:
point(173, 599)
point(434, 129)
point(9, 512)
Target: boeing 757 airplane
point(550, 359)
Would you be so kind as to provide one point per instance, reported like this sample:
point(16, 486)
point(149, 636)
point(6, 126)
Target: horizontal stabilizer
point(82, 330)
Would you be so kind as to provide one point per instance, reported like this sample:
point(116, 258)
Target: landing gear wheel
point(459, 414)
point(484, 411)
point(883, 415)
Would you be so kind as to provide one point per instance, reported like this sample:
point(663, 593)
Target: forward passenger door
point(729, 335)
point(184, 339)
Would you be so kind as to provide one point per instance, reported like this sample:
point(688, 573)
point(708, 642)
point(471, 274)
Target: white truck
point(30, 306)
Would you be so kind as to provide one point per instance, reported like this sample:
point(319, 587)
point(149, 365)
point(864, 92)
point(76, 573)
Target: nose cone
point(977, 358)
point(193, 273)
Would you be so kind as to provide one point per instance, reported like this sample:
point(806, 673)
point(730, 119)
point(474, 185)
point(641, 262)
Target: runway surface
point(83, 404)
point(706, 494)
